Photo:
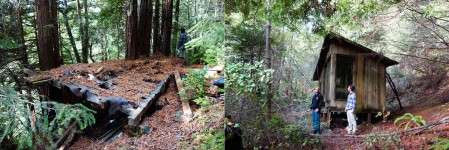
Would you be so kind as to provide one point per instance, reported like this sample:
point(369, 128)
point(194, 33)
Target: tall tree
point(69, 31)
point(138, 29)
point(23, 49)
point(156, 34)
point(85, 42)
point(167, 27)
point(176, 26)
point(268, 56)
point(47, 34)
point(84, 29)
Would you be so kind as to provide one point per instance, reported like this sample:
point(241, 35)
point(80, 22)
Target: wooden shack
point(343, 62)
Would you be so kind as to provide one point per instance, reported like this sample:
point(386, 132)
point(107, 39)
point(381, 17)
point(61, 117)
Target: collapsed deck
point(113, 87)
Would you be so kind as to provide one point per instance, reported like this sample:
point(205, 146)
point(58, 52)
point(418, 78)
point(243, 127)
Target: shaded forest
point(44, 43)
point(273, 52)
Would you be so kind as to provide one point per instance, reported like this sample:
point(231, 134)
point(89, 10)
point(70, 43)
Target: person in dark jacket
point(317, 103)
point(183, 39)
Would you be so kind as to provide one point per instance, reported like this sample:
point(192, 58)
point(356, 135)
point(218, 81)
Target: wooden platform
point(75, 93)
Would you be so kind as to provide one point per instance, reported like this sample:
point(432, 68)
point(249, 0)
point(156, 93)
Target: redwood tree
point(47, 34)
point(138, 29)
point(23, 49)
point(156, 35)
point(166, 27)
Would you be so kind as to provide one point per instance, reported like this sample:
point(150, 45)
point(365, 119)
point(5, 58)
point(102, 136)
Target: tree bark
point(23, 49)
point(268, 58)
point(156, 35)
point(138, 29)
point(85, 43)
point(47, 35)
point(144, 21)
point(69, 32)
point(176, 26)
point(167, 26)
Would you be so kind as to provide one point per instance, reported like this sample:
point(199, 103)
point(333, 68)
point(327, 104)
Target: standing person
point(350, 110)
point(183, 39)
point(317, 103)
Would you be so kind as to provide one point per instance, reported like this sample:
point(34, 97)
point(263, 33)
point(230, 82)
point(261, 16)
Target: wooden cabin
point(343, 62)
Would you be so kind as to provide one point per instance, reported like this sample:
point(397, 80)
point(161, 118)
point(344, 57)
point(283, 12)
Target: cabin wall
point(374, 87)
point(334, 49)
point(324, 81)
point(368, 77)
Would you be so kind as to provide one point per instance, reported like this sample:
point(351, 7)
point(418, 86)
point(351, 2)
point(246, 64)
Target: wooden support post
point(185, 104)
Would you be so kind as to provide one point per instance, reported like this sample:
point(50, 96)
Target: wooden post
point(185, 104)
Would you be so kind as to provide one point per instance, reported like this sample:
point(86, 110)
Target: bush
point(195, 84)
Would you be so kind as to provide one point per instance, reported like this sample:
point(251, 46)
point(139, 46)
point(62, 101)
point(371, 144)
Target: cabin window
point(343, 76)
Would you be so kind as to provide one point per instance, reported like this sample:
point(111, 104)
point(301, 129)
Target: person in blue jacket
point(183, 39)
point(317, 103)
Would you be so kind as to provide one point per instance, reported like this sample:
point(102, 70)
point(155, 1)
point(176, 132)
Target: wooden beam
point(185, 104)
point(67, 137)
point(137, 114)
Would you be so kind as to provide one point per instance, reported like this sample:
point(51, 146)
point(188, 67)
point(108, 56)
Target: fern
point(407, 119)
point(441, 144)
point(28, 128)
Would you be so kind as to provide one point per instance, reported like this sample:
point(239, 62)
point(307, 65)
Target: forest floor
point(432, 104)
point(167, 130)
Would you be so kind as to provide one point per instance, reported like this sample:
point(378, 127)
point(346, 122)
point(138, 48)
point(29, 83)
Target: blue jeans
point(316, 121)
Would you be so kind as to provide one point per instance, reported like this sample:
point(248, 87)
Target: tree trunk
point(144, 21)
point(23, 49)
point(118, 43)
point(163, 20)
point(167, 26)
point(176, 26)
point(138, 29)
point(268, 59)
point(85, 34)
point(156, 35)
point(69, 32)
point(90, 54)
point(47, 35)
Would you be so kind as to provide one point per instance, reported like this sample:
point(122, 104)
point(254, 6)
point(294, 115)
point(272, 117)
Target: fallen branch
point(425, 127)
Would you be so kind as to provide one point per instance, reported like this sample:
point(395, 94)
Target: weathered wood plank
point(360, 82)
point(382, 84)
point(67, 136)
point(333, 66)
point(185, 104)
point(137, 114)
